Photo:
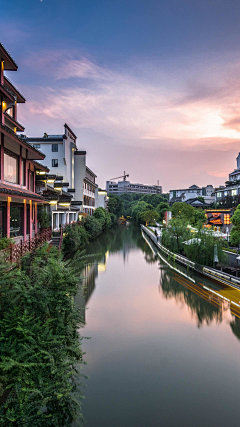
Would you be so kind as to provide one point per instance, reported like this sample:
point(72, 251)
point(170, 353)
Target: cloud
point(161, 111)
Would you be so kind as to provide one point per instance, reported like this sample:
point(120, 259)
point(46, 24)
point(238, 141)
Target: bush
point(5, 242)
point(104, 217)
point(75, 237)
point(45, 218)
point(93, 226)
point(40, 343)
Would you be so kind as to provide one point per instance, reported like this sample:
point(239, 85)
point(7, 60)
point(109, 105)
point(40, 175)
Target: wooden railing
point(14, 252)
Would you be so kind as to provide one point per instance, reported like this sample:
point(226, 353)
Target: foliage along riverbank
point(77, 235)
point(41, 351)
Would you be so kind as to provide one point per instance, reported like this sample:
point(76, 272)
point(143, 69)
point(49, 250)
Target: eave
point(20, 128)
point(20, 97)
point(33, 153)
point(9, 63)
point(6, 93)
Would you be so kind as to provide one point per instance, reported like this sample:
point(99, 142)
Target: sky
point(150, 87)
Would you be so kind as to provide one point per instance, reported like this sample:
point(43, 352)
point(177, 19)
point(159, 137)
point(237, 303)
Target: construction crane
point(124, 176)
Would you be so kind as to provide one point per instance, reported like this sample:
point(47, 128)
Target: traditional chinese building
point(18, 163)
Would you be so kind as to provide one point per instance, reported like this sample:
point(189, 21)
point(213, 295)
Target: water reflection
point(160, 346)
point(206, 300)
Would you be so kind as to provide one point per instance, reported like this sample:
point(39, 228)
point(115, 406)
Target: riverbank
point(214, 274)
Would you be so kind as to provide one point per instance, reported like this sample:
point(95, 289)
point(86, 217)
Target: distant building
point(121, 187)
point(229, 196)
point(191, 194)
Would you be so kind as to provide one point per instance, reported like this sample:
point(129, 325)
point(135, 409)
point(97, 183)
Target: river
point(164, 348)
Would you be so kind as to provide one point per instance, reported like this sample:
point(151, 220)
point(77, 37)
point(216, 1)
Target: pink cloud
point(187, 122)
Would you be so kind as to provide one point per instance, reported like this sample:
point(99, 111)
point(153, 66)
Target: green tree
point(93, 227)
point(199, 217)
point(235, 231)
point(115, 205)
point(104, 217)
point(161, 208)
point(183, 210)
point(75, 237)
point(149, 216)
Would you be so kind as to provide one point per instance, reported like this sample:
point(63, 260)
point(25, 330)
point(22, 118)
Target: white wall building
point(232, 189)
point(102, 199)
point(73, 179)
point(121, 187)
point(183, 195)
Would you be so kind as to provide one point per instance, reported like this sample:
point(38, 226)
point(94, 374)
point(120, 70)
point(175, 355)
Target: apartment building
point(121, 187)
point(71, 184)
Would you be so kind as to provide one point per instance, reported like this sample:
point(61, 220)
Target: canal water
point(165, 345)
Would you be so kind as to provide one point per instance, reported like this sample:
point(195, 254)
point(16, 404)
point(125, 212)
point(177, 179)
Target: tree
point(93, 226)
point(183, 210)
point(161, 208)
point(138, 208)
point(115, 205)
point(75, 237)
point(149, 216)
point(104, 217)
point(199, 217)
point(235, 231)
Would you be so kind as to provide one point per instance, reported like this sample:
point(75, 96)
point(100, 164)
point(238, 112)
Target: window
point(23, 180)
point(219, 194)
point(227, 219)
point(54, 163)
point(31, 181)
point(37, 146)
point(16, 219)
point(55, 148)
point(234, 192)
point(10, 168)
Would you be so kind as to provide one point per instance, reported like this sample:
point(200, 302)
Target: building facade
point(71, 185)
point(102, 199)
point(19, 163)
point(193, 192)
point(229, 195)
point(121, 187)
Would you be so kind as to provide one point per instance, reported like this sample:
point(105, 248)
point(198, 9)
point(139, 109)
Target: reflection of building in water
point(102, 265)
point(89, 274)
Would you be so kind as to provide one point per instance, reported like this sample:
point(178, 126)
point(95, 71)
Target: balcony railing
point(14, 252)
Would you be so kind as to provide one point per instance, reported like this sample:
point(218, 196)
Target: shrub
point(40, 343)
point(5, 242)
point(74, 238)
point(93, 226)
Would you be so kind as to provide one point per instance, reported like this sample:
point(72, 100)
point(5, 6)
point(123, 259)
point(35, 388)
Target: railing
point(14, 252)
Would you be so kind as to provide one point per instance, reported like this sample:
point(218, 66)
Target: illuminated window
point(226, 219)
point(219, 194)
point(234, 192)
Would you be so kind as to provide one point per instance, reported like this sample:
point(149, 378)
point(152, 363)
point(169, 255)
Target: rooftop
point(9, 63)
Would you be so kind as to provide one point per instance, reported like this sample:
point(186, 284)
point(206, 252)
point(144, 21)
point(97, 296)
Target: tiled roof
point(22, 140)
point(8, 54)
point(14, 88)
point(13, 190)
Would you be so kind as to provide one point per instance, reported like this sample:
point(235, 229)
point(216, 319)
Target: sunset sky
point(151, 87)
